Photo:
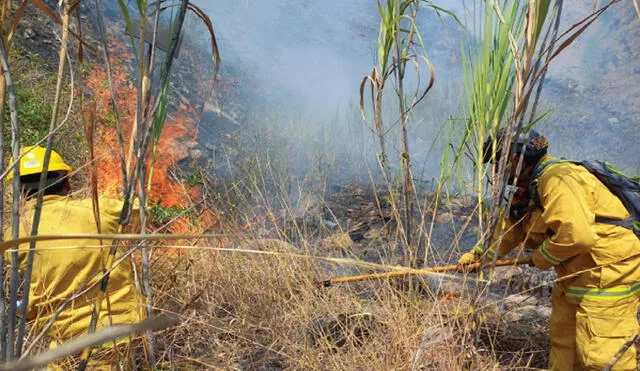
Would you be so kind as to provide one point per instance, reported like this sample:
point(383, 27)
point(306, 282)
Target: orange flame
point(169, 150)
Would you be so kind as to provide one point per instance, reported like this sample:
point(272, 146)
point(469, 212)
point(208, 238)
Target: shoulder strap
point(626, 223)
point(629, 223)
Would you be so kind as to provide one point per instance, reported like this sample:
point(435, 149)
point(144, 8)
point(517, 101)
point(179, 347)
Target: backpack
point(625, 187)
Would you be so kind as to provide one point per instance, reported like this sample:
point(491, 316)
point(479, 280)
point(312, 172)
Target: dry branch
point(105, 335)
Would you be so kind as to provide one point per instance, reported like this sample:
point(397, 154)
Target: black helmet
point(534, 146)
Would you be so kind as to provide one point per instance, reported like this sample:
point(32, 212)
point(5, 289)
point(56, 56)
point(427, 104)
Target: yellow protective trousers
point(586, 334)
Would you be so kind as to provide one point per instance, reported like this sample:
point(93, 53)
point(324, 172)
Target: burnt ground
point(357, 222)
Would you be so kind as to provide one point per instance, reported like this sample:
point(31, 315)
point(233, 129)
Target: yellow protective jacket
point(599, 261)
point(62, 267)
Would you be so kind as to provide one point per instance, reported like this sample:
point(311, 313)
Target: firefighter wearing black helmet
point(596, 298)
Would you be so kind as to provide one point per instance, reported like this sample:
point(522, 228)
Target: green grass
point(162, 215)
point(34, 112)
point(34, 93)
point(195, 178)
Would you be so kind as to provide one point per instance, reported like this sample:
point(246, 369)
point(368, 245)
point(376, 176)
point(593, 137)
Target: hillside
point(264, 191)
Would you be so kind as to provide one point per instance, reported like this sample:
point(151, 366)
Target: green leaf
point(129, 24)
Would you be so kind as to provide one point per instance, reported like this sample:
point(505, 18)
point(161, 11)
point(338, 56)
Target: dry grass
point(250, 311)
point(263, 312)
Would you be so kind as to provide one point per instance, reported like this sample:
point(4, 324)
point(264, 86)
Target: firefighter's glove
point(539, 261)
point(468, 258)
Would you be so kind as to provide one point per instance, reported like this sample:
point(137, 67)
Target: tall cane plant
point(149, 120)
point(399, 44)
point(502, 72)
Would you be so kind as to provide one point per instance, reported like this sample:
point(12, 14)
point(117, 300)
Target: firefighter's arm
point(506, 237)
point(111, 209)
point(568, 218)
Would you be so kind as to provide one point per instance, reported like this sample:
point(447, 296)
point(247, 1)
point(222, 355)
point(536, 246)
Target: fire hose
point(408, 272)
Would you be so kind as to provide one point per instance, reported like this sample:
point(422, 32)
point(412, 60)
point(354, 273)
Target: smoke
point(299, 52)
point(305, 60)
point(302, 61)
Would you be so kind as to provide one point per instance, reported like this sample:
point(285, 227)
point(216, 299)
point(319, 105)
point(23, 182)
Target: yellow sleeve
point(568, 217)
point(112, 208)
point(512, 234)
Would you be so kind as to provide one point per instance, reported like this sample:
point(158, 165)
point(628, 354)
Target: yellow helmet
point(33, 160)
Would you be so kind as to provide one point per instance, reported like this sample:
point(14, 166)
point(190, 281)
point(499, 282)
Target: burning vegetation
point(241, 262)
point(170, 149)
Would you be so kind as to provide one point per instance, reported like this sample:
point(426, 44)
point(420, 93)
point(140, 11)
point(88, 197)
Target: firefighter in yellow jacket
point(61, 268)
point(595, 301)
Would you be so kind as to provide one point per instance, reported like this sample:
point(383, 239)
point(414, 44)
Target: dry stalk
point(8, 346)
point(105, 335)
point(43, 176)
point(146, 273)
point(554, 35)
point(114, 101)
point(3, 308)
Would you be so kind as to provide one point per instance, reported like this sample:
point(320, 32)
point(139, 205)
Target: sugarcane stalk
point(556, 27)
point(146, 270)
point(15, 214)
point(630, 341)
point(410, 258)
point(114, 101)
point(143, 86)
point(103, 336)
point(140, 146)
point(2, 189)
point(43, 177)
